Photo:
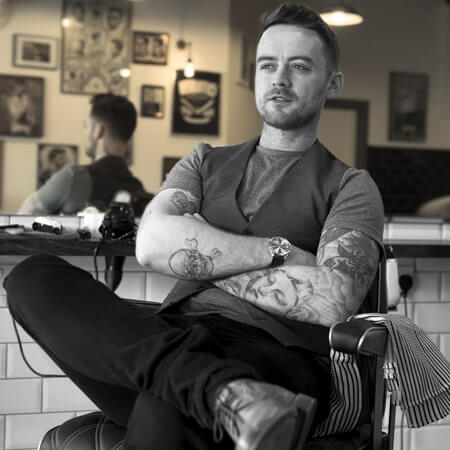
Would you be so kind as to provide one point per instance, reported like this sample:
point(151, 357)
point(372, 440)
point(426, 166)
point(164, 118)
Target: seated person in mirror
point(108, 130)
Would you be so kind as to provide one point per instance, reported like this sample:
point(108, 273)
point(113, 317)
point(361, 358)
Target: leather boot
point(262, 416)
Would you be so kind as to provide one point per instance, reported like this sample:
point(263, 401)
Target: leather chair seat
point(94, 431)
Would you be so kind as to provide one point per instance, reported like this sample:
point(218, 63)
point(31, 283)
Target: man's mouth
point(279, 98)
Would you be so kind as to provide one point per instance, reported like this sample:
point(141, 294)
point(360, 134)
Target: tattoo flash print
point(190, 263)
point(182, 203)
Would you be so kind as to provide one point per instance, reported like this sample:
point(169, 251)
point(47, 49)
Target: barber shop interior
point(224, 224)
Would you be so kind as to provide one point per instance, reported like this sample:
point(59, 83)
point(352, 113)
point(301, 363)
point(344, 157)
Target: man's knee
point(29, 279)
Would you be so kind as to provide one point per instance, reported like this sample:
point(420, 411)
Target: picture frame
point(196, 103)
point(21, 105)
point(52, 158)
point(95, 46)
point(167, 164)
point(150, 47)
point(37, 52)
point(408, 103)
point(152, 101)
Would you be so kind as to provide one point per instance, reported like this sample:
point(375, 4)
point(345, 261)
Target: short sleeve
point(358, 206)
point(67, 190)
point(185, 174)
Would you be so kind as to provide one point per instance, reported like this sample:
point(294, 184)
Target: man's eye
point(300, 67)
point(266, 66)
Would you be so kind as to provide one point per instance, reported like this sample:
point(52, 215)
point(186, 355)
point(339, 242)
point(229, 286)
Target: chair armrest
point(359, 336)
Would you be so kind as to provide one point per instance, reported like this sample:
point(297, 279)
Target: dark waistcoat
point(109, 175)
point(296, 210)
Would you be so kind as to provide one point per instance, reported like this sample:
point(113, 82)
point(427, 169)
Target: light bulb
point(125, 72)
point(189, 70)
point(65, 22)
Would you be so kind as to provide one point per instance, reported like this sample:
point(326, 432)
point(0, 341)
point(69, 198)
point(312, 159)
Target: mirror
point(223, 37)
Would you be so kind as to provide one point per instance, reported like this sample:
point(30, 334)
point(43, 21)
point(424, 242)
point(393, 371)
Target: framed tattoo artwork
point(95, 46)
point(152, 101)
point(52, 158)
point(408, 106)
point(150, 48)
point(21, 106)
point(196, 103)
point(37, 52)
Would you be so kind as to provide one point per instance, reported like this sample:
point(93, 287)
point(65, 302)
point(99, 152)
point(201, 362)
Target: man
point(271, 240)
point(108, 130)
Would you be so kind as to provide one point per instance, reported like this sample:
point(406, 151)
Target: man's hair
point(117, 113)
point(300, 15)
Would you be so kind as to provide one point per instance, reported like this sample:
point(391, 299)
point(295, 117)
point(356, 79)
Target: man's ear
point(99, 130)
point(335, 84)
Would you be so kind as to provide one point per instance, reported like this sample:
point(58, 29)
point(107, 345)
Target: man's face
point(291, 76)
point(90, 142)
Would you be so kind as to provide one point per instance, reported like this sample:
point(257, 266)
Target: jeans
point(121, 353)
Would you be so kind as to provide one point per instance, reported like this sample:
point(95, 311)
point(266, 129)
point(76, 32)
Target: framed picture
point(53, 157)
point(167, 163)
point(21, 105)
point(35, 51)
point(152, 101)
point(196, 103)
point(150, 48)
point(1, 172)
point(95, 46)
point(408, 106)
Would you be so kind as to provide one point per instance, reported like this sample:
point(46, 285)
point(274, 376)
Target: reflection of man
point(20, 107)
point(109, 127)
point(270, 239)
point(56, 160)
point(114, 17)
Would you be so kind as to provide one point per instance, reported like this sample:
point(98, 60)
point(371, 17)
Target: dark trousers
point(122, 355)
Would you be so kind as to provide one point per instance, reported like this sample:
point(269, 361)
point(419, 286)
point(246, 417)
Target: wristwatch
point(280, 248)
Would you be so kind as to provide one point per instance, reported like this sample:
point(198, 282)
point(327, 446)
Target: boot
point(262, 416)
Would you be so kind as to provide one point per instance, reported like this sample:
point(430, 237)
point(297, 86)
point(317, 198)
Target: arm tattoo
point(180, 200)
point(190, 263)
point(347, 262)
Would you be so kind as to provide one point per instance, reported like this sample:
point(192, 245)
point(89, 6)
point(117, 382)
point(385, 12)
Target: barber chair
point(361, 338)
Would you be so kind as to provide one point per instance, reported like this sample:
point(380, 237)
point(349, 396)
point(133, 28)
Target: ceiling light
point(341, 15)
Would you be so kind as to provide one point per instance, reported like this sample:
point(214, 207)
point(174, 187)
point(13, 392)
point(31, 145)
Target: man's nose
point(281, 78)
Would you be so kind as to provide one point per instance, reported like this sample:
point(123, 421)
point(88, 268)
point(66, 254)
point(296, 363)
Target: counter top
point(31, 243)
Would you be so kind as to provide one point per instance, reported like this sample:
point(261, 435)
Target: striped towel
point(416, 372)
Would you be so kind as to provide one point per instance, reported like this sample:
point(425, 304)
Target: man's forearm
point(304, 293)
point(188, 248)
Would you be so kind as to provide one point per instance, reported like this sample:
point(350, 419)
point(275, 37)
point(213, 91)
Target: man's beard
point(292, 120)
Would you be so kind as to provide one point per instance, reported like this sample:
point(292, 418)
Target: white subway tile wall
point(29, 406)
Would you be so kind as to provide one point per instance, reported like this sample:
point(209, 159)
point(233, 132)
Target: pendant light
point(341, 15)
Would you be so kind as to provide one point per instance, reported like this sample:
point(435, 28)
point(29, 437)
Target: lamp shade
point(341, 15)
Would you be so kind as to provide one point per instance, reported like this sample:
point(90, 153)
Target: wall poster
point(95, 46)
point(196, 103)
point(52, 158)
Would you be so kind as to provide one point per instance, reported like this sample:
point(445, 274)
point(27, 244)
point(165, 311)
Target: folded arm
point(173, 239)
point(346, 265)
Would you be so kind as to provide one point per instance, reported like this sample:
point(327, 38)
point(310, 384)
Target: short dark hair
point(118, 114)
point(301, 15)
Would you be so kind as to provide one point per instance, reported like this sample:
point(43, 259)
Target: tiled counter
point(423, 252)
point(29, 405)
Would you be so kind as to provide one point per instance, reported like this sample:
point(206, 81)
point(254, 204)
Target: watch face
point(280, 246)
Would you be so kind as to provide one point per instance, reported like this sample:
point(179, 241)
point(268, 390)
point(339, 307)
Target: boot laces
point(227, 417)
